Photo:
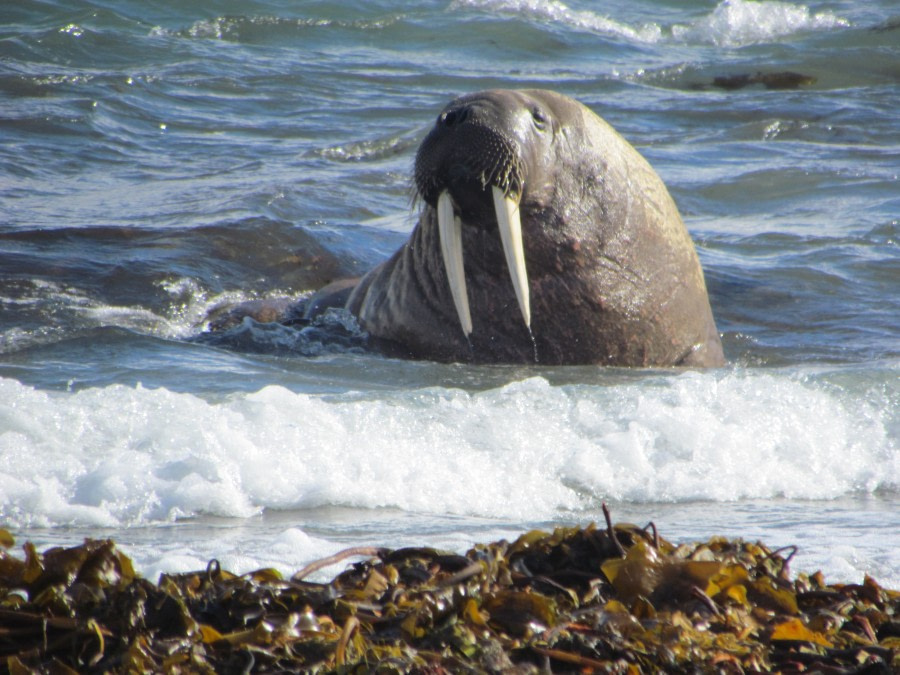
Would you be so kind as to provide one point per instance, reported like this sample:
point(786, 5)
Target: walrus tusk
point(450, 231)
point(510, 225)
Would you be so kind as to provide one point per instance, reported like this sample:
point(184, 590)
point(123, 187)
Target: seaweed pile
point(618, 599)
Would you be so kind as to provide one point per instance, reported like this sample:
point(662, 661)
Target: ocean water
point(159, 161)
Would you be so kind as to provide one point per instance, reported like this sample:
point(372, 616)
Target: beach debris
point(619, 599)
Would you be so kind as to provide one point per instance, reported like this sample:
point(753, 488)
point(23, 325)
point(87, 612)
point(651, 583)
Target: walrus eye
point(540, 119)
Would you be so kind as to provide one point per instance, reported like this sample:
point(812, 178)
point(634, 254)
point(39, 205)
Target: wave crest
point(736, 23)
point(731, 23)
point(527, 450)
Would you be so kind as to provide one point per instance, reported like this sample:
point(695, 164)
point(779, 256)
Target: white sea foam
point(288, 551)
point(731, 23)
point(554, 11)
point(120, 456)
point(186, 317)
point(742, 22)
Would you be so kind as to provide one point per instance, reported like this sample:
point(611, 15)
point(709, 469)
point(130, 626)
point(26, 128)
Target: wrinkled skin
point(613, 275)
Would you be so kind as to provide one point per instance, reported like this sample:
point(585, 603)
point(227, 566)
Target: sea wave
point(731, 23)
point(555, 12)
point(76, 311)
point(736, 23)
point(119, 456)
point(256, 28)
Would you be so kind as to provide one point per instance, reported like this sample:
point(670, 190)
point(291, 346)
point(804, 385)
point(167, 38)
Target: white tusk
point(510, 225)
point(450, 231)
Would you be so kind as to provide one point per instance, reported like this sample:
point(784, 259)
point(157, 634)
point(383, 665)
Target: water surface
point(158, 162)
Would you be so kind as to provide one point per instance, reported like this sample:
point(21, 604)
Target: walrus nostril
point(451, 118)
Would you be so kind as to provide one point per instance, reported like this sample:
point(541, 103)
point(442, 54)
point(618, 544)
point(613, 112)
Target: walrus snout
point(472, 147)
point(470, 168)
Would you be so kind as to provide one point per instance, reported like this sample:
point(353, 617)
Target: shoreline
point(613, 599)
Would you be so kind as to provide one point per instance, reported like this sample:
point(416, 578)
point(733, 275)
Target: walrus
point(544, 237)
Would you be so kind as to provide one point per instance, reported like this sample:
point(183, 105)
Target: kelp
point(617, 599)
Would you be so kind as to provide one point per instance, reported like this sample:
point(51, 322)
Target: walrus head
point(531, 199)
point(473, 168)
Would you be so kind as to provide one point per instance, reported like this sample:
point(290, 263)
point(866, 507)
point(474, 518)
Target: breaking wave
point(120, 456)
point(731, 23)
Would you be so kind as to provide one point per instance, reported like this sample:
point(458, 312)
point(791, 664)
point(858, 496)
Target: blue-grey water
point(161, 160)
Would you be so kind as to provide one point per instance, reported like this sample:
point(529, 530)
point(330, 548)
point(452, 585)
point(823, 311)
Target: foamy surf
point(186, 315)
point(735, 23)
point(124, 456)
point(731, 23)
point(555, 12)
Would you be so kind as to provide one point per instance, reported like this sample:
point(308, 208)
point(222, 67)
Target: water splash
point(128, 455)
point(553, 11)
point(732, 22)
point(735, 23)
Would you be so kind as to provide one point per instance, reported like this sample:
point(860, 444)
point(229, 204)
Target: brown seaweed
point(615, 600)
